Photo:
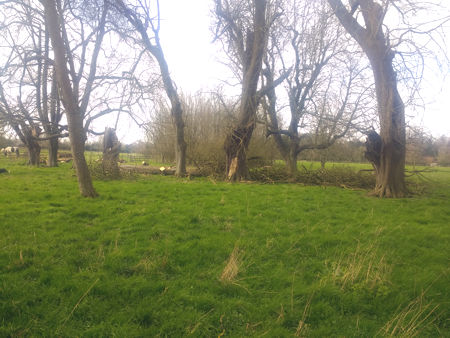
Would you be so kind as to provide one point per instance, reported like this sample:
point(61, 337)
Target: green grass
point(160, 256)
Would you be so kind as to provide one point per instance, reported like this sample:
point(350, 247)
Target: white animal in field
point(10, 150)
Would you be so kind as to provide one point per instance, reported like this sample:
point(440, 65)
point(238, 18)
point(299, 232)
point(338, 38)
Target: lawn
point(161, 256)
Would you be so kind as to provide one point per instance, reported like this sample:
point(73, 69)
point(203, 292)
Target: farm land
point(164, 256)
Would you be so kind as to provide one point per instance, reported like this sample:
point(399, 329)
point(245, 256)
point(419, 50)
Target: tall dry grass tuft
point(364, 267)
point(233, 266)
point(302, 327)
point(411, 320)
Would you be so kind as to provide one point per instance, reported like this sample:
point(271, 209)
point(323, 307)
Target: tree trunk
point(33, 146)
point(289, 152)
point(236, 143)
point(77, 138)
point(323, 158)
point(77, 134)
point(390, 179)
point(291, 164)
point(286, 149)
point(111, 151)
point(292, 153)
point(180, 144)
point(154, 47)
point(53, 146)
point(176, 110)
point(34, 153)
point(235, 146)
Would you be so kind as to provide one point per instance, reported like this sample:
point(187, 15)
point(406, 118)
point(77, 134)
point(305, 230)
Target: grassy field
point(160, 256)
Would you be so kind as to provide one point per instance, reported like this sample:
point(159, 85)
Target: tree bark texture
point(176, 113)
point(236, 143)
point(34, 152)
point(111, 151)
point(53, 147)
point(49, 115)
point(287, 147)
point(77, 138)
point(51, 118)
point(291, 160)
point(390, 177)
point(77, 134)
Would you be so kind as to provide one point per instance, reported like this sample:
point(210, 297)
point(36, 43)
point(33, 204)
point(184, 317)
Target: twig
point(78, 303)
point(199, 321)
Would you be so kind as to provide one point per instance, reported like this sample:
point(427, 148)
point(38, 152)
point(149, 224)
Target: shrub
point(99, 172)
point(341, 177)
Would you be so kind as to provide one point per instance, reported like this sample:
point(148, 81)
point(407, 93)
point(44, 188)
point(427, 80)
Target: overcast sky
point(195, 65)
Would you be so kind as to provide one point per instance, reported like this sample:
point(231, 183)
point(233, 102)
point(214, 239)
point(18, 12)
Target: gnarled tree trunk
point(111, 151)
point(390, 174)
point(390, 177)
point(34, 153)
point(236, 143)
point(28, 135)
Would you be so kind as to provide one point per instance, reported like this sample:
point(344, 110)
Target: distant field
point(161, 256)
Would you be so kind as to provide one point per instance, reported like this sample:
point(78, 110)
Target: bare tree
point(380, 44)
point(325, 92)
point(27, 76)
point(146, 20)
point(93, 80)
point(69, 83)
point(243, 27)
point(103, 81)
point(23, 124)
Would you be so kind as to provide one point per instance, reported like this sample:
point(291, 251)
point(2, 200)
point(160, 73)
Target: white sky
point(436, 115)
point(194, 63)
point(187, 41)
